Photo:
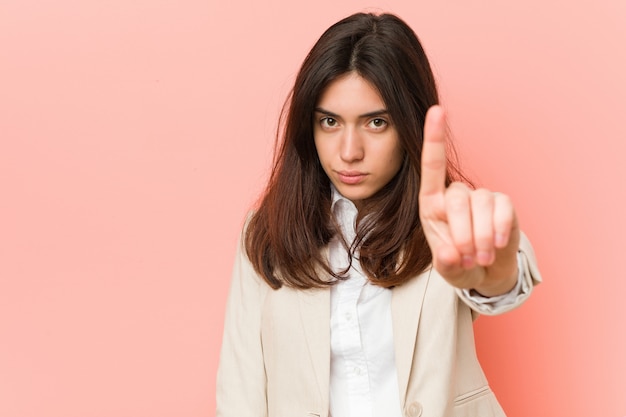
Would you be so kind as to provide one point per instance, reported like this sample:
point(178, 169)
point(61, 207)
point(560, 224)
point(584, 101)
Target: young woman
point(368, 257)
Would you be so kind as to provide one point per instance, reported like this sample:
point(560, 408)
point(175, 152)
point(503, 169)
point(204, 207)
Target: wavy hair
point(286, 235)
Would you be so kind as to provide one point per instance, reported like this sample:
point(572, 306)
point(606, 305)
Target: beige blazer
point(275, 356)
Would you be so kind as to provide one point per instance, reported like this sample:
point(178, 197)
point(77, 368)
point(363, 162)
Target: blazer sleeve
point(241, 379)
point(529, 274)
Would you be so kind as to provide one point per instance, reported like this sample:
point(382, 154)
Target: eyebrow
point(374, 113)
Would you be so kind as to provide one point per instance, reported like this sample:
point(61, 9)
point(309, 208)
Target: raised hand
point(473, 234)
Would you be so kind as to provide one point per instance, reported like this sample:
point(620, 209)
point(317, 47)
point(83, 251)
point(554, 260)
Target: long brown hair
point(285, 236)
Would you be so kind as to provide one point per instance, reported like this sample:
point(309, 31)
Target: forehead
point(351, 93)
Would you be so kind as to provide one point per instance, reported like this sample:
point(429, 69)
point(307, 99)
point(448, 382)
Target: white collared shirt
point(363, 374)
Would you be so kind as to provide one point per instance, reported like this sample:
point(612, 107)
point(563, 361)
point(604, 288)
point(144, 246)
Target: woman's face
point(355, 139)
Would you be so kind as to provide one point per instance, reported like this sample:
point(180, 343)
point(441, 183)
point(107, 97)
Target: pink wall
point(134, 135)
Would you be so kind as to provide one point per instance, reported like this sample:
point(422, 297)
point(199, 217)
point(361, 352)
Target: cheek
point(322, 154)
point(396, 163)
point(399, 156)
point(396, 155)
point(317, 149)
point(323, 146)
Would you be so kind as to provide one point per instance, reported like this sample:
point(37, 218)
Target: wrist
point(493, 287)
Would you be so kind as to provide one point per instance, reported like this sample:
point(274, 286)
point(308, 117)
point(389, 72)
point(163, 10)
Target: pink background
point(135, 135)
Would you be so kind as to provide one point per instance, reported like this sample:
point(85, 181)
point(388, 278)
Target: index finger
point(433, 175)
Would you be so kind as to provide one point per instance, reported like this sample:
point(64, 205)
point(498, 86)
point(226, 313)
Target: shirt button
point(357, 370)
point(348, 316)
point(414, 409)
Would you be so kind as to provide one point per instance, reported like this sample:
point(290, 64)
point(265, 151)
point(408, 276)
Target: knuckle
point(456, 199)
point(503, 224)
point(457, 204)
point(484, 241)
point(503, 199)
point(463, 241)
point(482, 198)
point(434, 164)
point(458, 186)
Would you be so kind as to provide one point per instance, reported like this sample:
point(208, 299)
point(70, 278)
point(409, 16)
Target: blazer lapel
point(406, 306)
point(315, 314)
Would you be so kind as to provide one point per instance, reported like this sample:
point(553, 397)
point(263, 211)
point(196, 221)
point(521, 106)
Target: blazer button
point(414, 409)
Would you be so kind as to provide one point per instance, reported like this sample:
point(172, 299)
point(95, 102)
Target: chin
point(352, 193)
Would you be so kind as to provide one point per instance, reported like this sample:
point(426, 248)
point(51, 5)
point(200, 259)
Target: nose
point(351, 149)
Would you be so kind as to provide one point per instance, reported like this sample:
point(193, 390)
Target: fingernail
point(500, 240)
point(484, 257)
point(467, 261)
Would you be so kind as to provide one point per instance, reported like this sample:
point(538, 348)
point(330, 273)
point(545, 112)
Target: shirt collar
point(336, 197)
point(345, 213)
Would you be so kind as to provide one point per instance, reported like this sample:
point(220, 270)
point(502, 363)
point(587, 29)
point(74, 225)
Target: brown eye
point(328, 122)
point(378, 123)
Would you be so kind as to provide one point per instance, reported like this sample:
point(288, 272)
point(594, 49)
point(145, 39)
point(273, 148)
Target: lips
point(351, 177)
